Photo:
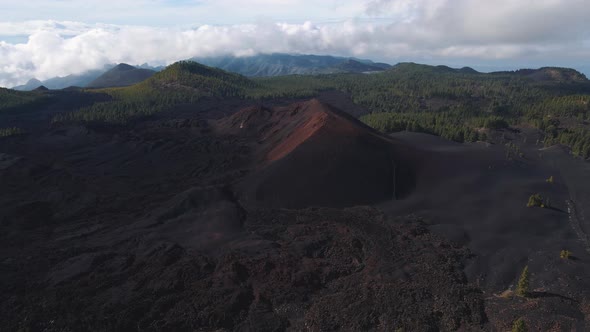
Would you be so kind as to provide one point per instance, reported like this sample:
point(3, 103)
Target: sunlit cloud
point(445, 31)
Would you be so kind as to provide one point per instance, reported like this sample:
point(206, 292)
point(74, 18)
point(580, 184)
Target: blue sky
point(48, 38)
point(170, 13)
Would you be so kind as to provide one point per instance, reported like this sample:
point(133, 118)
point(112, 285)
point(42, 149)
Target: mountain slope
point(11, 99)
point(313, 148)
point(31, 85)
point(181, 251)
point(184, 82)
point(411, 67)
point(554, 74)
point(187, 81)
point(196, 75)
point(200, 235)
point(548, 74)
point(121, 75)
point(285, 64)
point(354, 66)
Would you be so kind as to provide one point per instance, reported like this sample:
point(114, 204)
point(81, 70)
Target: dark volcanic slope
point(314, 149)
point(137, 229)
point(476, 195)
point(121, 75)
point(219, 216)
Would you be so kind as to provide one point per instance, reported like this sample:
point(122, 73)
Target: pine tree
point(565, 254)
point(519, 326)
point(535, 200)
point(523, 283)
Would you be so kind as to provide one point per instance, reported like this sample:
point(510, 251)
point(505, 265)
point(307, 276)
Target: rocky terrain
point(286, 215)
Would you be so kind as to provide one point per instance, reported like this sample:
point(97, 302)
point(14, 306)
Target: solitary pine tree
point(535, 200)
point(523, 283)
point(565, 254)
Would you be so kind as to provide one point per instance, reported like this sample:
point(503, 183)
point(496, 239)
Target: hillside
point(185, 244)
point(286, 64)
point(269, 214)
point(19, 100)
point(551, 74)
point(203, 161)
point(200, 78)
point(315, 148)
point(415, 68)
point(354, 66)
point(180, 83)
point(457, 104)
point(121, 75)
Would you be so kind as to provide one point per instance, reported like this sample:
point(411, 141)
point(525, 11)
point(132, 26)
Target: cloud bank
point(473, 31)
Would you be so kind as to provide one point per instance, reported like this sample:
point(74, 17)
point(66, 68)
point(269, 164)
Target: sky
point(48, 38)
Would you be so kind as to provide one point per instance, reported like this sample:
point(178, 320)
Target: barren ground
point(288, 215)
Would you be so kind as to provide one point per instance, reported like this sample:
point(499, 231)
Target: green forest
point(18, 100)
point(458, 104)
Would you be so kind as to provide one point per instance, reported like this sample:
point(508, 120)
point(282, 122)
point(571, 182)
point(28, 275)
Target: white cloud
point(484, 21)
point(552, 32)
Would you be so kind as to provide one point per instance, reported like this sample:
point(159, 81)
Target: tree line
point(455, 104)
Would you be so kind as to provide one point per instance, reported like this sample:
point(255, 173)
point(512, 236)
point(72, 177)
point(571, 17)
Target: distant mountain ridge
point(57, 83)
point(31, 85)
point(91, 78)
point(278, 64)
point(121, 75)
point(555, 74)
point(543, 74)
point(415, 67)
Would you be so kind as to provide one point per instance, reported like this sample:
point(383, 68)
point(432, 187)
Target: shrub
point(535, 200)
point(519, 326)
point(523, 283)
point(5, 132)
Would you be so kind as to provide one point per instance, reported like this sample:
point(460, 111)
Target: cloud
point(49, 53)
point(484, 21)
point(544, 32)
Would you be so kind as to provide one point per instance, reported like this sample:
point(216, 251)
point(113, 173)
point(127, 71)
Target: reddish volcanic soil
point(310, 154)
point(220, 216)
